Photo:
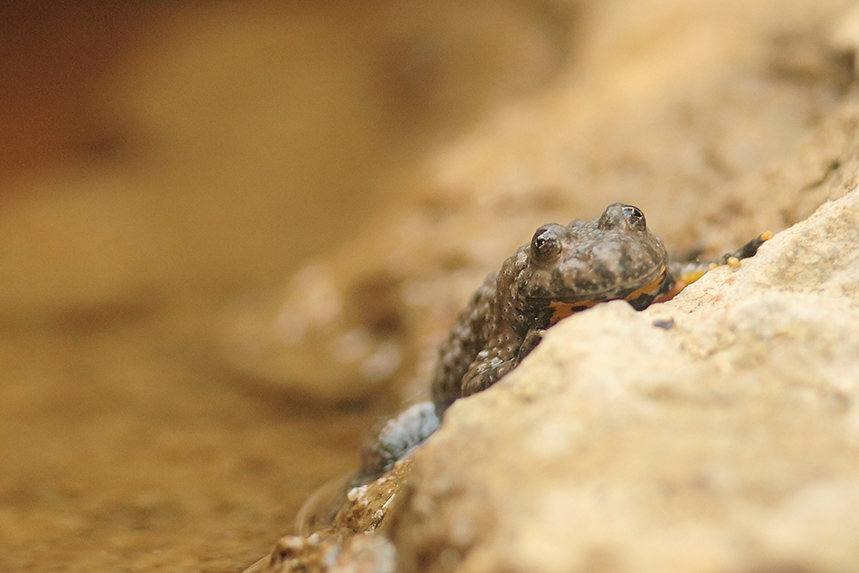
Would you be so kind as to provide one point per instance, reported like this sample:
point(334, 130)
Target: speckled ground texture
point(246, 245)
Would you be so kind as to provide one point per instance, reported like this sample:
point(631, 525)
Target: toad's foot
point(686, 272)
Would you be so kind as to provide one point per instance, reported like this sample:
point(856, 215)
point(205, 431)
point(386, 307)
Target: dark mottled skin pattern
point(611, 257)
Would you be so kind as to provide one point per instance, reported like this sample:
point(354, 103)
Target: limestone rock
point(718, 432)
point(713, 433)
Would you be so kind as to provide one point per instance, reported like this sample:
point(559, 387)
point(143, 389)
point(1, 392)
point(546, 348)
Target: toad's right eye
point(546, 245)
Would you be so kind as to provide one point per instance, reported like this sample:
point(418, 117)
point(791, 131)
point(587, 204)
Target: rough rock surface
point(714, 433)
point(349, 543)
point(726, 442)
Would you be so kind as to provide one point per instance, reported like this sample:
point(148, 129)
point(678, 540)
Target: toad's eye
point(546, 245)
point(634, 217)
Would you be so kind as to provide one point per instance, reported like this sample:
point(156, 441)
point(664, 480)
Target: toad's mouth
point(562, 308)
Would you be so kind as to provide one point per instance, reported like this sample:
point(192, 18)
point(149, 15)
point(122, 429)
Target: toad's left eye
point(634, 217)
point(546, 245)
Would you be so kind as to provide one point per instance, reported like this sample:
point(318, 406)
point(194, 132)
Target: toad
point(563, 270)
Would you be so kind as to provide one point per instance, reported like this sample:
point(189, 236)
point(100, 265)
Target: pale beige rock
point(729, 442)
point(366, 554)
point(724, 443)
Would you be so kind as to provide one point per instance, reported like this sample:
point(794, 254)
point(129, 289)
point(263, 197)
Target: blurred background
point(157, 160)
point(192, 193)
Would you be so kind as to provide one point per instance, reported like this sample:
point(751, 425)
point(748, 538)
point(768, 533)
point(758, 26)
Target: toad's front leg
point(532, 339)
point(488, 367)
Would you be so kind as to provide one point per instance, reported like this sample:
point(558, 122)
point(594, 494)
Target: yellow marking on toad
point(562, 310)
point(649, 288)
